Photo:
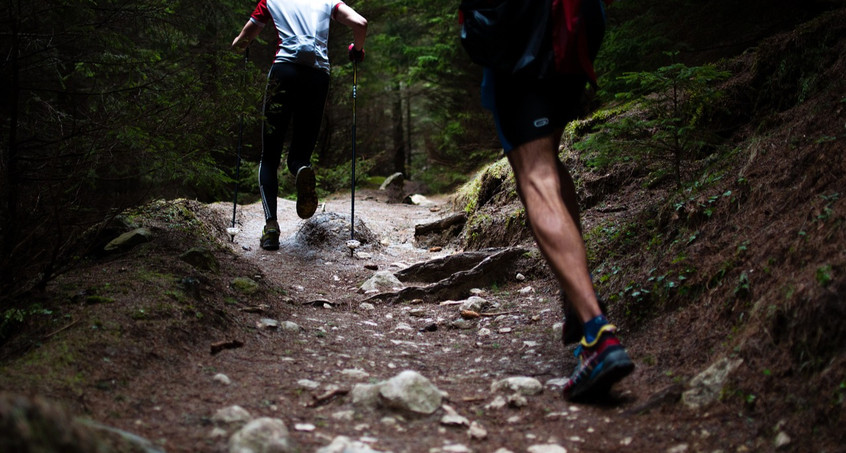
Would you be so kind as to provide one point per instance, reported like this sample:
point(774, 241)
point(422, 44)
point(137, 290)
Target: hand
point(356, 56)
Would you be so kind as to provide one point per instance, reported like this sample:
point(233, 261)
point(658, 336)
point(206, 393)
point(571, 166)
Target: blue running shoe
point(601, 364)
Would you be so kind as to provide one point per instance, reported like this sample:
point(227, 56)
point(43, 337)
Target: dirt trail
point(459, 361)
point(134, 353)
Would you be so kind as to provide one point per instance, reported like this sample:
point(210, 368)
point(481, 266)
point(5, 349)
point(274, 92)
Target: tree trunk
point(398, 130)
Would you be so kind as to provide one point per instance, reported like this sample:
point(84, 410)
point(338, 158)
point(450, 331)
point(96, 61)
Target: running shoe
point(306, 192)
point(270, 236)
point(601, 364)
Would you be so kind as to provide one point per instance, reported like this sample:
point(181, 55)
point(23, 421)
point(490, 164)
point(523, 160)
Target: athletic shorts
point(525, 109)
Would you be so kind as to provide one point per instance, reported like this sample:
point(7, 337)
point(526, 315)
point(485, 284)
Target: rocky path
point(343, 370)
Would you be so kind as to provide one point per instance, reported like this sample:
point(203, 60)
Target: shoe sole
point(616, 366)
point(270, 240)
point(306, 193)
point(270, 244)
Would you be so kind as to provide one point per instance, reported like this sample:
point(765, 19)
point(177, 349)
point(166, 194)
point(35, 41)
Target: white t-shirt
point(302, 28)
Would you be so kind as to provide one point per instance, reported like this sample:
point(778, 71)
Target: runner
point(531, 107)
point(297, 86)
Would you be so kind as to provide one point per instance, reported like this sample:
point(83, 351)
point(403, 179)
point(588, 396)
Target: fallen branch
point(62, 329)
point(221, 345)
point(320, 400)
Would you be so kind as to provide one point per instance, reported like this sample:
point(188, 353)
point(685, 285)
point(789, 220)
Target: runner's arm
point(347, 16)
point(248, 33)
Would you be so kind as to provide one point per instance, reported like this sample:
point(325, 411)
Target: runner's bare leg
point(544, 184)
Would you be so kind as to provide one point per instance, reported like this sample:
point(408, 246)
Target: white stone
point(344, 416)
point(366, 395)
point(546, 448)
point(261, 435)
point(355, 373)
point(343, 444)
point(367, 306)
point(411, 391)
point(222, 378)
point(522, 384)
point(381, 281)
point(456, 448)
point(477, 431)
point(290, 326)
point(498, 403)
point(232, 414)
point(308, 384)
point(556, 384)
point(782, 440)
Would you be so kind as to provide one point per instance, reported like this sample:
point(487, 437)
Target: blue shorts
point(525, 109)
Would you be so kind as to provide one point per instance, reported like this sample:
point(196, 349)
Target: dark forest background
point(108, 104)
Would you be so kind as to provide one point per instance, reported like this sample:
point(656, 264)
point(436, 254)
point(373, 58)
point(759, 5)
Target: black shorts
point(526, 109)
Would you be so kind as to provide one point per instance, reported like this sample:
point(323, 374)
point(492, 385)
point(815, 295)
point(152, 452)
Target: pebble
point(547, 448)
point(222, 378)
point(308, 384)
point(477, 431)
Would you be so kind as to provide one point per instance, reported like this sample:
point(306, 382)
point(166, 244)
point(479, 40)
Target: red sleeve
point(335, 9)
point(261, 14)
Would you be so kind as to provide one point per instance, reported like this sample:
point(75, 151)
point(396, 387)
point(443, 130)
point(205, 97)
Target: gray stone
point(546, 448)
point(521, 384)
point(201, 258)
point(474, 303)
point(382, 281)
point(290, 326)
point(343, 444)
point(477, 431)
point(231, 415)
point(411, 391)
point(355, 373)
point(129, 239)
point(365, 395)
point(262, 435)
point(706, 387)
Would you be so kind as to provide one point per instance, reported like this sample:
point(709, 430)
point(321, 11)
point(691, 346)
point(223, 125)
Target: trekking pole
point(353, 244)
point(352, 191)
point(232, 230)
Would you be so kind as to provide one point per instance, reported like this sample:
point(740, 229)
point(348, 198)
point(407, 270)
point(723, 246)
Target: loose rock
point(231, 415)
point(524, 385)
point(411, 391)
point(261, 435)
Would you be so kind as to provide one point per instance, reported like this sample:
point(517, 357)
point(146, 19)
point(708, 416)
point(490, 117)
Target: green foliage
point(340, 177)
point(129, 100)
point(666, 126)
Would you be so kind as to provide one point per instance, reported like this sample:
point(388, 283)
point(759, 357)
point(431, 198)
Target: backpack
point(505, 35)
point(533, 36)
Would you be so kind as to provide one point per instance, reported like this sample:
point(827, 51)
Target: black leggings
point(297, 94)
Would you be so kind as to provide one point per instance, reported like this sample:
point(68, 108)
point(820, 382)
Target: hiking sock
point(592, 327)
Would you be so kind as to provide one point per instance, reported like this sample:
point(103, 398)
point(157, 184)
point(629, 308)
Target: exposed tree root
point(454, 275)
